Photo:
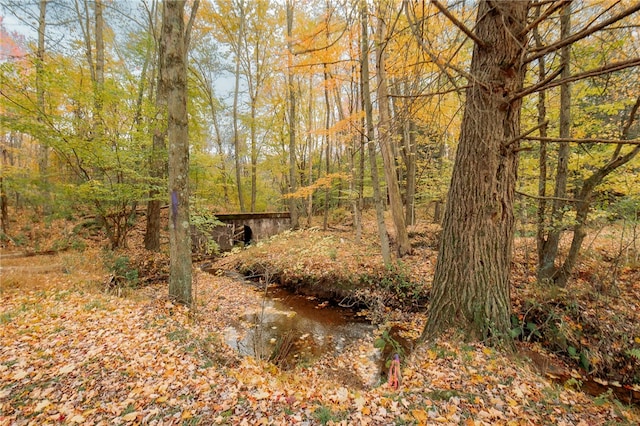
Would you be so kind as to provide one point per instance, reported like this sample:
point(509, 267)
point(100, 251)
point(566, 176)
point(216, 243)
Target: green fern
point(635, 352)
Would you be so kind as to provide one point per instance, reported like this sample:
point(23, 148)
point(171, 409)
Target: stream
point(290, 329)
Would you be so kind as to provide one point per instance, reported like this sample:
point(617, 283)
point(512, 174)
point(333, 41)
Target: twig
point(528, 132)
point(537, 197)
point(458, 24)
point(582, 141)
point(583, 33)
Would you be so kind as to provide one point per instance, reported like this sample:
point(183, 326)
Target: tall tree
point(471, 281)
point(384, 138)
point(176, 40)
point(550, 243)
point(43, 157)
point(157, 157)
point(237, 146)
point(368, 109)
point(291, 90)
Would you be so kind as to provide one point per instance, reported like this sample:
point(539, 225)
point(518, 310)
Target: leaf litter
point(71, 354)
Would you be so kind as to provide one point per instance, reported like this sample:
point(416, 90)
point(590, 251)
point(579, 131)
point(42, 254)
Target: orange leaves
point(97, 359)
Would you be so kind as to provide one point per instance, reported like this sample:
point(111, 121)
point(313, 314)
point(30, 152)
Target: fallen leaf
point(130, 417)
point(77, 419)
point(420, 415)
point(42, 405)
point(67, 369)
point(20, 374)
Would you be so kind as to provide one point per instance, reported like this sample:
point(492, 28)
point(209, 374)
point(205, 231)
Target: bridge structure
point(247, 228)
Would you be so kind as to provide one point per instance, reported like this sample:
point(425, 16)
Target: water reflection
point(290, 329)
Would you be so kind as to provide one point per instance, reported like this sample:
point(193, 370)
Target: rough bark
point(471, 282)
point(178, 138)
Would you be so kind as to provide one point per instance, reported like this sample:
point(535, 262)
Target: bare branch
point(583, 141)
point(192, 18)
point(528, 132)
point(432, 56)
point(544, 15)
point(458, 24)
point(542, 85)
point(536, 197)
point(547, 83)
point(583, 33)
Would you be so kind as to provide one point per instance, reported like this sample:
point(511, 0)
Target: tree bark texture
point(178, 137)
point(471, 282)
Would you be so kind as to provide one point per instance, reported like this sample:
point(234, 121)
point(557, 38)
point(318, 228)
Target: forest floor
point(77, 349)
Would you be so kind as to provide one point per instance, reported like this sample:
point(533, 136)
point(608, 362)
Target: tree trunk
point(411, 148)
point(471, 282)
point(542, 155)
point(546, 263)
point(43, 155)
point(158, 162)
point(236, 136)
point(388, 157)
point(4, 211)
point(99, 82)
point(368, 108)
point(586, 192)
point(178, 137)
point(327, 146)
point(293, 204)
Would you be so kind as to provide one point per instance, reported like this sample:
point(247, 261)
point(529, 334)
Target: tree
point(384, 135)
point(471, 281)
point(368, 109)
point(157, 156)
point(175, 39)
point(549, 244)
point(293, 204)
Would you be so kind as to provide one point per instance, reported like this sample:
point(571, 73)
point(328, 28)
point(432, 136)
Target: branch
point(528, 132)
point(430, 94)
point(459, 24)
point(543, 16)
point(583, 141)
point(583, 33)
point(192, 18)
point(536, 197)
point(542, 85)
point(433, 57)
point(548, 84)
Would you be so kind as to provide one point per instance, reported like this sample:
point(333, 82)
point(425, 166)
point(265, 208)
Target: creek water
point(291, 329)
